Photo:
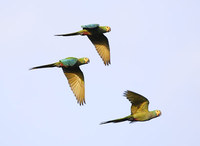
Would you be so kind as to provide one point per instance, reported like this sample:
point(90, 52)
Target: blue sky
point(155, 51)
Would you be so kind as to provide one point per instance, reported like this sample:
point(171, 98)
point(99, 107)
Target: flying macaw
point(139, 109)
point(95, 33)
point(73, 73)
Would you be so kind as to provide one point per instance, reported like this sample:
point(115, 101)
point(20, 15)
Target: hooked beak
point(109, 29)
point(87, 60)
point(159, 113)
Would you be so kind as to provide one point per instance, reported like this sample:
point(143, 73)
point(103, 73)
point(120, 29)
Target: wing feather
point(76, 81)
point(102, 46)
point(139, 102)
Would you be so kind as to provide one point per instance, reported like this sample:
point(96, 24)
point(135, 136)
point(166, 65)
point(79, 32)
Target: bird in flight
point(139, 109)
point(73, 73)
point(96, 35)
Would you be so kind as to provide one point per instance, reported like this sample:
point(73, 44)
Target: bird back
point(90, 26)
point(70, 61)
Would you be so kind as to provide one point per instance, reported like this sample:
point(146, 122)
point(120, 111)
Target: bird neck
point(152, 114)
point(102, 29)
point(80, 63)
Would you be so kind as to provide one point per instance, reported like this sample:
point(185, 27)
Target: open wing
point(102, 46)
point(139, 102)
point(76, 81)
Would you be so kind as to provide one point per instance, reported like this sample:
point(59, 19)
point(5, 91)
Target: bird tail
point(57, 64)
point(68, 34)
point(117, 120)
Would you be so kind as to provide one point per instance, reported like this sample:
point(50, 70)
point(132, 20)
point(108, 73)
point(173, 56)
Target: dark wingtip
point(81, 103)
point(107, 63)
point(126, 92)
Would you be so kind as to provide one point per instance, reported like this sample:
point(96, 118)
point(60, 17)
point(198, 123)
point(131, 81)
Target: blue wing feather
point(90, 26)
point(70, 61)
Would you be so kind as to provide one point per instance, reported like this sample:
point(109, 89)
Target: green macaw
point(73, 73)
point(95, 33)
point(139, 109)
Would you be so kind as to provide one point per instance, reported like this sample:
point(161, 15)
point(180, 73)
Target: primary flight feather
point(95, 33)
point(73, 73)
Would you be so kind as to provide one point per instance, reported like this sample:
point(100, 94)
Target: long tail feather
point(44, 66)
point(68, 34)
point(116, 120)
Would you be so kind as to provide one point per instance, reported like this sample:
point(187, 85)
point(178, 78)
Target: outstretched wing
point(139, 102)
point(76, 81)
point(102, 46)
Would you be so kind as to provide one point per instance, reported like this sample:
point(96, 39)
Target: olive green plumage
point(73, 73)
point(139, 109)
point(95, 33)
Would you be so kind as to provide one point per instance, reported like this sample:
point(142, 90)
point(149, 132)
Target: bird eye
point(86, 60)
point(157, 113)
point(108, 28)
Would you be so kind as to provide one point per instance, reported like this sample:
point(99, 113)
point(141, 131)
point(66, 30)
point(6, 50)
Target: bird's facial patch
point(86, 60)
point(108, 28)
point(158, 112)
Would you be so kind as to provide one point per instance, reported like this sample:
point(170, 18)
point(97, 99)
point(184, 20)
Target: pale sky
point(155, 51)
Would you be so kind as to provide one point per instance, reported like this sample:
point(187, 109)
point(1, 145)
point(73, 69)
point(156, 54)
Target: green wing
point(139, 102)
point(101, 44)
point(76, 81)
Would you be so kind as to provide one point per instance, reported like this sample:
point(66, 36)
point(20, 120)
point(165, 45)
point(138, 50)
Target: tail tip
point(103, 123)
point(58, 35)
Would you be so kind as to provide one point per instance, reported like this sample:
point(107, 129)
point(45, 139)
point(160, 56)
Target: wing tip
point(81, 103)
point(107, 63)
point(80, 100)
point(126, 92)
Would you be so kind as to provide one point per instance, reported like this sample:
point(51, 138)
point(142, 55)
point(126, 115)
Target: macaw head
point(84, 60)
point(157, 112)
point(105, 28)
